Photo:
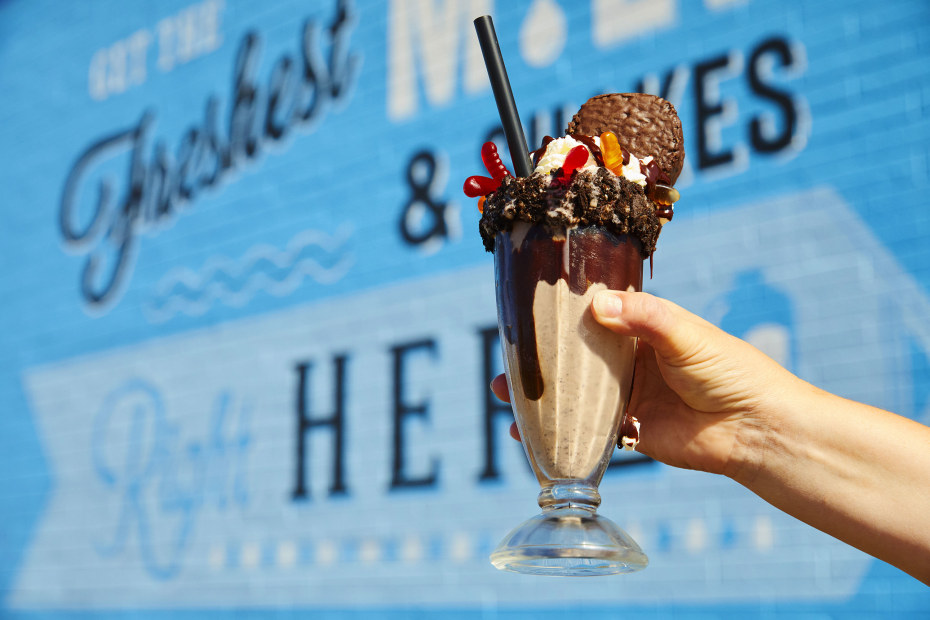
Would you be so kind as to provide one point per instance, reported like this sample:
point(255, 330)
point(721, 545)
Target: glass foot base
point(569, 542)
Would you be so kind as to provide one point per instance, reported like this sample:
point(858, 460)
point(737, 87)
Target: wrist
point(769, 429)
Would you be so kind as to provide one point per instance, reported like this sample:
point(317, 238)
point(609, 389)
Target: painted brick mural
point(248, 324)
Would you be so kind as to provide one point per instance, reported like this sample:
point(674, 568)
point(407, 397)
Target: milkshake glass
point(570, 381)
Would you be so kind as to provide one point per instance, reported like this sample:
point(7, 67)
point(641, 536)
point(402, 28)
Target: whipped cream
point(632, 172)
point(558, 150)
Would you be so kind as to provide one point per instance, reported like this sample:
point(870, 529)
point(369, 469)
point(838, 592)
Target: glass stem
point(569, 494)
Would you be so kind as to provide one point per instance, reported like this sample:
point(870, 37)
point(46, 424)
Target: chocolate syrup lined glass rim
point(542, 258)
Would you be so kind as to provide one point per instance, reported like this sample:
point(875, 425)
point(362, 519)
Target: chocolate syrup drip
point(651, 172)
point(594, 256)
point(629, 433)
point(654, 174)
point(535, 155)
point(589, 142)
point(518, 271)
point(626, 155)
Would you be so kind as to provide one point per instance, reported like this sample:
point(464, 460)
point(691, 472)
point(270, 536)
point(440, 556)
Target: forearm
point(855, 472)
point(712, 402)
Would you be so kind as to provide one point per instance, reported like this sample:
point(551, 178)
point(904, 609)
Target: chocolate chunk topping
point(645, 124)
point(596, 198)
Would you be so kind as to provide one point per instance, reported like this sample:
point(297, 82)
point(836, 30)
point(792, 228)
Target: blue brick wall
point(261, 166)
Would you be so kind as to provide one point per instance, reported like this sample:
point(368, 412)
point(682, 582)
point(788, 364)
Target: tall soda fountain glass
point(578, 218)
point(570, 381)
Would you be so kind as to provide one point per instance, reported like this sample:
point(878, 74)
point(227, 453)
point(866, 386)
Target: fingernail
point(608, 305)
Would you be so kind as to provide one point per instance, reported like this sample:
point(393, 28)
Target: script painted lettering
point(159, 180)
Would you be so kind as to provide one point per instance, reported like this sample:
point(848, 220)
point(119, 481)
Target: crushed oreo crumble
point(592, 197)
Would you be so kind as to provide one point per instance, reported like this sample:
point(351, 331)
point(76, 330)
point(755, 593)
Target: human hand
point(706, 400)
point(709, 401)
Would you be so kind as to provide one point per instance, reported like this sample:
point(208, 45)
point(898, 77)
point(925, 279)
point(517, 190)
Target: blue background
point(227, 277)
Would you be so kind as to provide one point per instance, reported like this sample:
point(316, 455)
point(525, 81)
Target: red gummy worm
point(492, 161)
point(575, 159)
point(480, 186)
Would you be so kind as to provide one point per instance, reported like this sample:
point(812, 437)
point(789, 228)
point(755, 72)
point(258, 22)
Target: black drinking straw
point(503, 95)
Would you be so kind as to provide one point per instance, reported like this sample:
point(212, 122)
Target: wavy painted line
point(312, 253)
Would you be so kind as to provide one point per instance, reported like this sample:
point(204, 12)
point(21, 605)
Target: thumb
point(674, 333)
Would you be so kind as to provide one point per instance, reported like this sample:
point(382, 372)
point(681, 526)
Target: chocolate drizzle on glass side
point(628, 436)
point(595, 256)
point(518, 272)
